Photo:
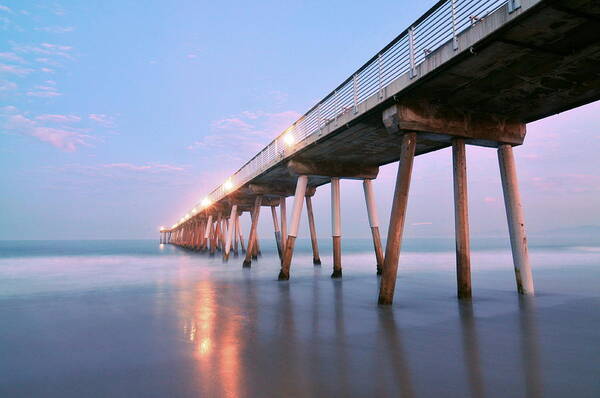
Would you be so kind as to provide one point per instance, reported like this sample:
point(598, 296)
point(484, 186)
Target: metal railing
point(440, 25)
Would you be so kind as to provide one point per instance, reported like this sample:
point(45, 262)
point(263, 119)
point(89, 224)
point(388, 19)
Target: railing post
point(379, 76)
point(513, 5)
point(336, 102)
point(319, 119)
point(411, 50)
point(454, 39)
point(355, 92)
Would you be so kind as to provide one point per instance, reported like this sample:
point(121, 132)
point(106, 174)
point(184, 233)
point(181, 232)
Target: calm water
point(133, 318)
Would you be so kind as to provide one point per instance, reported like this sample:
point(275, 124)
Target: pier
point(465, 73)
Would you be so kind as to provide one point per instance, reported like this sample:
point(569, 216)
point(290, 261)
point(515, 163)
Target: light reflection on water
point(188, 325)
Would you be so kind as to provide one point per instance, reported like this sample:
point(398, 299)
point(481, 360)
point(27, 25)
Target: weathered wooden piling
point(213, 238)
point(301, 183)
point(313, 231)
point(236, 225)
point(277, 231)
point(207, 232)
point(373, 223)
point(241, 235)
point(230, 229)
point(283, 214)
point(397, 218)
point(336, 227)
point(516, 220)
point(253, 230)
point(461, 219)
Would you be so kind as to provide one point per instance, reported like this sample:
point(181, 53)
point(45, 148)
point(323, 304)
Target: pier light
point(174, 226)
point(288, 138)
point(206, 202)
point(228, 185)
point(162, 228)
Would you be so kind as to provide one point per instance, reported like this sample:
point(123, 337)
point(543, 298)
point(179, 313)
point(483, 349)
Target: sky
point(116, 117)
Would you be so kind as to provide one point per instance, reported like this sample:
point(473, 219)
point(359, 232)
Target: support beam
point(336, 227)
point(374, 223)
point(313, 231)
point(277, 231)
point(440, 122)
point(252, 236)
point(230, 230)
point(284, 274)
point(332, 168)
point(516, 220)
point(397, 218)
point(461, 220)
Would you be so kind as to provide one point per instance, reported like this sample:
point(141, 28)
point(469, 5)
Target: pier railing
point(441, 24)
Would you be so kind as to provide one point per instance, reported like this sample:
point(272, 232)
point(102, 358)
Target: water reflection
point(395, 374)
point(216, 335)
point(530, 347)
point(470, 344)
point(254, 338)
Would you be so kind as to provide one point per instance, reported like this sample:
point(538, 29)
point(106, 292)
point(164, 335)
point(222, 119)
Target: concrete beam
point(332, 169)
point(441, 122)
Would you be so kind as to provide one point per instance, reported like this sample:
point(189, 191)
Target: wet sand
point(198, 327)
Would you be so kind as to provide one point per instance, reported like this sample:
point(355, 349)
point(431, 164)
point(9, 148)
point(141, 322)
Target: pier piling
point(301, 183)
point(516, 220)
point(461, 219)
point(397, 218)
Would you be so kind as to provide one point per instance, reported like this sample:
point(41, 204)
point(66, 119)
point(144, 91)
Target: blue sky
point(117, 116)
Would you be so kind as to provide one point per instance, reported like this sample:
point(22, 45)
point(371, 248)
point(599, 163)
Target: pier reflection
point(252, 338)
point(216, 337)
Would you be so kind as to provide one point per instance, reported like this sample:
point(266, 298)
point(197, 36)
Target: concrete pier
point(313, 231)
point(277, 231)
point(301, 183)
point(516, 220)
point(461, 219)
point(336, 227)
point(374, 223)
point(371, 120)
point(252, 236)
point(397, 218)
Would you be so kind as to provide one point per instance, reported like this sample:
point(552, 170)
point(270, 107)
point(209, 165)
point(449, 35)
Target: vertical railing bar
point(354, 92)
point(379, 80)
point(411, 49)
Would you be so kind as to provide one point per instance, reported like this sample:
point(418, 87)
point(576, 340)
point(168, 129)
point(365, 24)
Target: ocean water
point(135, 318)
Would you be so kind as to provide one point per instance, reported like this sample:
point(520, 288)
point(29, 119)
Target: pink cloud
point(5, 85)
point(103, 119)
point(15, 70)
point(58, 118)
point(56, 29)
point(12, 57)
point(44, 91)
point(249, 130)
point(231, 124)
point(568, 183)
point(490, 199)
point(48, 49)
point(157, 167)
point(66, 139)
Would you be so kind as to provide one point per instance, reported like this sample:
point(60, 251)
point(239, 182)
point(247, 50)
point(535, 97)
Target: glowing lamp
point(206, 202)
point(228, 185)
point(288, 138)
